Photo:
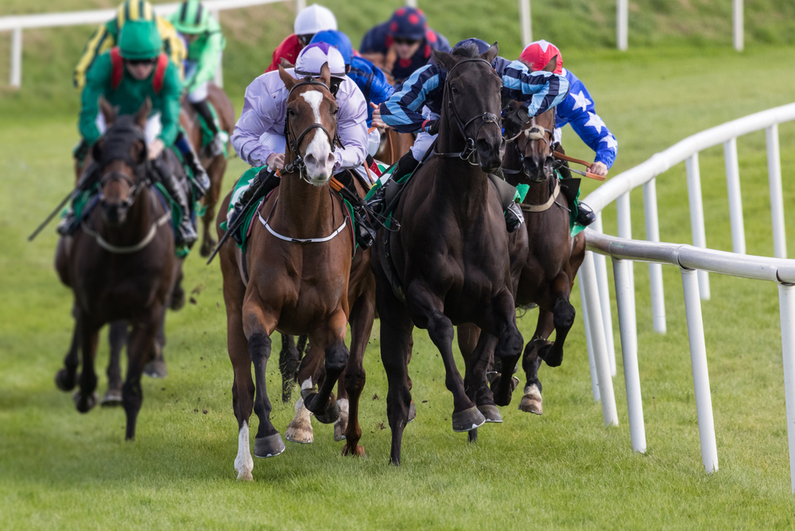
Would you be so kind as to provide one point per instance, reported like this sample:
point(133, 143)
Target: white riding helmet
point(314, 19)
point(313, 57)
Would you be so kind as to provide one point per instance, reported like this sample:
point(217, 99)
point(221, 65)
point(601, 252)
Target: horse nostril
point(331, 159)
point(310, 159)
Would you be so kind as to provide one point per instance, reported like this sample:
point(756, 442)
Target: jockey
point(425, 89)
point(106, 37)
point(126, 77)
point(259, 134)
point(310, 20)
point(404, 43)
point(368, 77)
point(577, 110)
point(205, 44)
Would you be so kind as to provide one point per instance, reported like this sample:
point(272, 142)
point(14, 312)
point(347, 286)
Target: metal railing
point(695, 262)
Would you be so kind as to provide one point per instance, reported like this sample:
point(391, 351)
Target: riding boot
point(200, 179)
point(69, 222)
point(511, 211)
point(216, 146)
point(260, 186)
point(585, 216)
point(185, 233)
point(365, 234)
point(404, 166)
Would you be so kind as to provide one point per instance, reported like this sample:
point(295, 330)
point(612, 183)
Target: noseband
point(298, 165)
point(469, 152)
point(135, 186)
point(532, 134)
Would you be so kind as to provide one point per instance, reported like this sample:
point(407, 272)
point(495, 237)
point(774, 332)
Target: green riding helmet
point(192, 18)
point(139, 40)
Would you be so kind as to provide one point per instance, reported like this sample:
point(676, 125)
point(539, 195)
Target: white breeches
point(423, 141)
point(151, 132)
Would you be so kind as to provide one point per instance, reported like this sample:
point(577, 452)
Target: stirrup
point(216, 145)
point(585, 216)
point(67, 225)
point(513, 217)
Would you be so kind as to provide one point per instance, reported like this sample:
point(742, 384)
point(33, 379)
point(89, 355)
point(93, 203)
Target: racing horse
point(547, 276)
point(215, 166)
point(299, 262)
point(449, 262)
point(120, 264)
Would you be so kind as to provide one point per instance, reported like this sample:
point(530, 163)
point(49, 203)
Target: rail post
point(655, 270)
point(698, 361)
point(786, 297)
point(301, 4)
point(735, 197)
point(219, 71)
point(609, 414)
point(776, 195)
point(16, 58)
point(600, 264)
point(588, 341)
point(697, 217)
point(622, 18)
point(524, 19)
point(737, 25)
point(629, 354)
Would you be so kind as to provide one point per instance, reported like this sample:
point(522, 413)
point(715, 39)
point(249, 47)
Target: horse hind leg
point(532, 401)
point(362, 317)
point(288, 366)
point(509, 346)
point(66, 377)
point(216, 174)
point(156, 367)
point(300, 428)
point(117, 337)
point(322, 403)
point(563, 316)
point(142, 340)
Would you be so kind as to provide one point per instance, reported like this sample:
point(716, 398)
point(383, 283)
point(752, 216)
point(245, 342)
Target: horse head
point(121, 155)
point(534, 145)
point(472, 103)
point(310, 126)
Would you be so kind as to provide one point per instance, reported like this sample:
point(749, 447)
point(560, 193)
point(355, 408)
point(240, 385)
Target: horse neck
point(136, 225)
point(540, 192)
point(303, 210)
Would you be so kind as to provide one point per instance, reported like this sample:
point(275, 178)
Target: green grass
point(59, 469)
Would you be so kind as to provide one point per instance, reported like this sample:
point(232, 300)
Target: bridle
point(469, 153)
point(135, 186)
point(297, 165)
point(533, 133)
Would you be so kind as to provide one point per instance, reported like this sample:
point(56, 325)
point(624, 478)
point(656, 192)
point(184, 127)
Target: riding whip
point(66, 199)
point(560, 156)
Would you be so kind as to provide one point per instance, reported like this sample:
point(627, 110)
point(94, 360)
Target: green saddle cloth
point(207, 132)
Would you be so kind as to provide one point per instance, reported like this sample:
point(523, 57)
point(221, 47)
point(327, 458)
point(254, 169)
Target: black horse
point(449, 262)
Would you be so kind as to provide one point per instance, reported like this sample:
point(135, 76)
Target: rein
point(469, 153)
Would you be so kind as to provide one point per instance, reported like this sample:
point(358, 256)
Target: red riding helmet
point(539, 53)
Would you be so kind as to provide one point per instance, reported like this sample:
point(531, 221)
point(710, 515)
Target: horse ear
point(142, 115)
point(287, 79)
point(551, 65)
point(491, 54)
point(107, 110)
point(285, 63)
point(444, 59)
point(325, 75)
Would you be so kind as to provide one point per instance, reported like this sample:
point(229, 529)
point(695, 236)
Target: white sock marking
point(244, 463)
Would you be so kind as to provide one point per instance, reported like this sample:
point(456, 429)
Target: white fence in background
point(695, 262)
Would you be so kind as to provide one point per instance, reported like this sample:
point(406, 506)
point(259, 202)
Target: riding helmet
point(313, 57)
point(539, 53)
point(193, 18)
point(408, 23)
point(140, 40)
point(314, 19)
point(134, 10)
point(338, 40)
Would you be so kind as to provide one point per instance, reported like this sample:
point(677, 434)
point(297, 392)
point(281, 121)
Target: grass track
point(59, 469)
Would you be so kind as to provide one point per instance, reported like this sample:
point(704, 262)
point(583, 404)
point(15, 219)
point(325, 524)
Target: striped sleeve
point(100, 41)
point(403, 110)
point(540, 90)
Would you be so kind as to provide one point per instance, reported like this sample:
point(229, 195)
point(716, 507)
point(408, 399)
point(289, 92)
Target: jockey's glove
point(431, 127)
point(513, 121)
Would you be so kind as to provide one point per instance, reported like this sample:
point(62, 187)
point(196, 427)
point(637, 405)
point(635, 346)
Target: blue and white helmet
point(313, 57)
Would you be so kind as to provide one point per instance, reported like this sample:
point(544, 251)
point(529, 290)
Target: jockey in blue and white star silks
point(416, 106)
point(577, 109)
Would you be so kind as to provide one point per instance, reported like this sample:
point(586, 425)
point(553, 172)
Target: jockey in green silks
point(126, 76)
point(205, 43)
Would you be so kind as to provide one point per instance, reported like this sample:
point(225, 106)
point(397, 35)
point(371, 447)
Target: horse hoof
point(467, 420)
point(269, 446)
point(156, 369)
point(412, 412)
point(531, 401)
point(551, 360)
point(300, 433)
point(84, 404)
point(111, 398)
point(64, 382)
point(206, 248)
point(177, 298)
point(491, 413)
point(339, 429)
point(502, 397)
point(356, 451)
point(329, 416)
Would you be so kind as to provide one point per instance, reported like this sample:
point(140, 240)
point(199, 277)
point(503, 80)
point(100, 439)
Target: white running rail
point(16, 23)
point(695, 262)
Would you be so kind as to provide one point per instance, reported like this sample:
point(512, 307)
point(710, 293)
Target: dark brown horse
point(299, 259)
point(449, 261)
point(215, 166)
point(547, 276)
point(120, 264)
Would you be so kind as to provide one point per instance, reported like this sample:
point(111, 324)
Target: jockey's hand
point(275, 161)
point(598, 168)
point(155, 149)
point(513, 121)
point(377, 121)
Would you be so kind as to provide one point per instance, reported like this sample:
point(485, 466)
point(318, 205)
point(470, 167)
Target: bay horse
point(449, 262)
point(215, 166)
point(120, 264)
point(547, 276)
point(299, 259)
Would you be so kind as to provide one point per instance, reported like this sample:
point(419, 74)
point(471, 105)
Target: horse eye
point(454, 89)
point(290, 112)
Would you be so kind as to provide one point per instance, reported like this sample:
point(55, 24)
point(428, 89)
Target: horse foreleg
point(86, 398)
point(509, 344)
point(215, 172)
point(362, 317)
point(156, 366)
point(66, 378)
point(139, 351)
point(563, 314)
point(117, 337)
point(330, 338)
point(532, 401)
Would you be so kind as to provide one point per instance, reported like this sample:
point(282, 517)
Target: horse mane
point(466, 51)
